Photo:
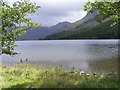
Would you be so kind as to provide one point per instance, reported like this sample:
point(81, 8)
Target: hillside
point(88, 21)
point(42, 32)
point(100, 31)
point(86, 28)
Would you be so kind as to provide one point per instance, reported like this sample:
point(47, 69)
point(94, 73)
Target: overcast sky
point(55, 11)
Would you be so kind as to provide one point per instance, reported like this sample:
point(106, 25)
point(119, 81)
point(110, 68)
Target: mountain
point(88, 21)
point(86, 28)
point(100, 31)
point(42, 32)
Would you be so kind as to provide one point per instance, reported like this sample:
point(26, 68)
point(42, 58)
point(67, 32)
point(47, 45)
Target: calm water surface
point(87, 55)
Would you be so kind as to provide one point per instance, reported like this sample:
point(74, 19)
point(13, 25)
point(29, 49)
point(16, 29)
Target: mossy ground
point(35, 76)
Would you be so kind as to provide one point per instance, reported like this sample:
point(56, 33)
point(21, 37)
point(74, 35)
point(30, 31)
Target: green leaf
point(15, 16)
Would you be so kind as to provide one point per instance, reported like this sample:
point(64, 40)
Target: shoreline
point(33, 76)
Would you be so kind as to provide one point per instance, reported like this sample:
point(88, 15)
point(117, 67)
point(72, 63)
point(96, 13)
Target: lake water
point(87, 55)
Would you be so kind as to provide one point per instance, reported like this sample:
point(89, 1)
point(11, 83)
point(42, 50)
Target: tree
point(14, 23)
point(107, 10)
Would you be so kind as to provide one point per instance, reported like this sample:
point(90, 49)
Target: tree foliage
point(107, 10)
point(14, 23)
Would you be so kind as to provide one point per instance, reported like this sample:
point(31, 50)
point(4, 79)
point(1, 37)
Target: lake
point(87, 55)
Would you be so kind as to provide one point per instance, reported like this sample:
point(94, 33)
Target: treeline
point(101, 31)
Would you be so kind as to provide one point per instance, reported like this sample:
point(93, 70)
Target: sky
point(55, 11)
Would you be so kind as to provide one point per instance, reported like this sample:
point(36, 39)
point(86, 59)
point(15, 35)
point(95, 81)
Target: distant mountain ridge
point(88, 21)
point(43, 31)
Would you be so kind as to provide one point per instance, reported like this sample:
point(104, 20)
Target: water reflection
point(104, 66)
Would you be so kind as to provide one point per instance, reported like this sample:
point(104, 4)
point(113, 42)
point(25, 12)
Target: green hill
point(100, 31)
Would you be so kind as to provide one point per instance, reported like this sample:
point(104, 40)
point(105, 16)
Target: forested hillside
point(101, 31)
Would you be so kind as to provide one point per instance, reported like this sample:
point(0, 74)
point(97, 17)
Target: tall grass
point(35, 76)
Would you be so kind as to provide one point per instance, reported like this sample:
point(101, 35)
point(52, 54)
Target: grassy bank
point(34, 76)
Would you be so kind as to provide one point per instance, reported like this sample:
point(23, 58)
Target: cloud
point(54, 12)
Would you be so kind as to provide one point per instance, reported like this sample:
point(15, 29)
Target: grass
point(35, 76)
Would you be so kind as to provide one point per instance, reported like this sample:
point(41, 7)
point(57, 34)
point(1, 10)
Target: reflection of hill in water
point(104, 66)
point(103, 51)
